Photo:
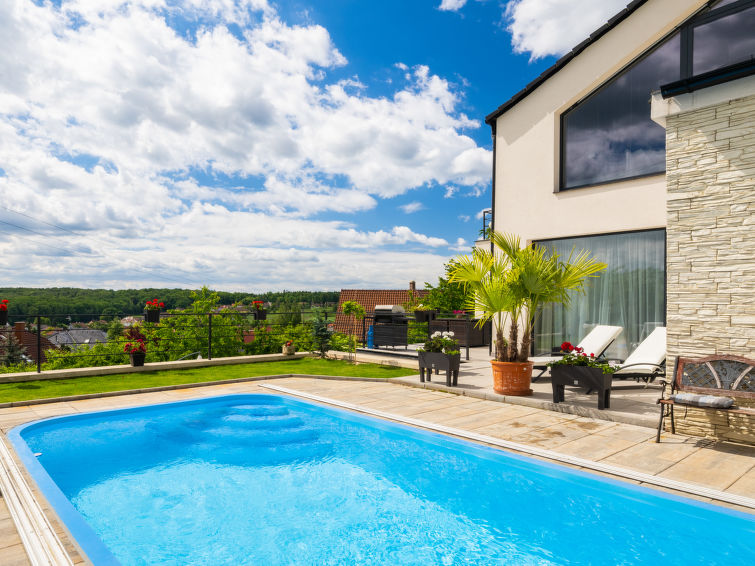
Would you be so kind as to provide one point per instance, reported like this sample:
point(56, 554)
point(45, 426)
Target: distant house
point(29, 342)
point(369, 298)
point(77, 336)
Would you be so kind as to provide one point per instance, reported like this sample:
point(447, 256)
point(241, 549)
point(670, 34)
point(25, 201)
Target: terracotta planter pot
point(512, 378)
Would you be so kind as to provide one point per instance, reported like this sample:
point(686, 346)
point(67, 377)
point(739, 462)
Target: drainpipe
point(492, 219)
point(492, 208)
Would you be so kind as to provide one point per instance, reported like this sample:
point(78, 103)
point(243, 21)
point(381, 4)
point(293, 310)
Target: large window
point(609, 135)
point(723, 41)
point(630, 293)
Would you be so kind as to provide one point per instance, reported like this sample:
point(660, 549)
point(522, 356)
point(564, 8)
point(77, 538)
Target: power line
point(38, 220)
point(75, 253)
point(25, 228)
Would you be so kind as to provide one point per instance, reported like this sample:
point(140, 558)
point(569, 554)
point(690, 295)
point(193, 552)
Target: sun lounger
point(648, 360)
point(596, 342)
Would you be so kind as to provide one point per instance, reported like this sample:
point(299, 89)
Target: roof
point(29, 341)
point(77, 336)
point(368, 298)
point(562, 62)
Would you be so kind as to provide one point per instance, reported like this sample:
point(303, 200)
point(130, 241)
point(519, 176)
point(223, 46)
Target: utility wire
point(68, 251)
point(38, 220)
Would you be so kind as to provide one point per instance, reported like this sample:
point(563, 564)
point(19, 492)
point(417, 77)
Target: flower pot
point(260, 314)
point(424, 315)
point(137, 358)
point(152, 315)
point(512, 378)
point(592, 379)
point(289, 350)
point(429, 361)
point(3, 318)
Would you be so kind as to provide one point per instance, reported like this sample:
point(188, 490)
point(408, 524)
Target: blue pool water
point(267, 480)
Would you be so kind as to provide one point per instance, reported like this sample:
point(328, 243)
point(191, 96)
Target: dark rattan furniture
point(710, 380)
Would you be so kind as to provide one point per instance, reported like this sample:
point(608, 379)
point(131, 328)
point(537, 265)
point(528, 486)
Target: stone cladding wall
point(710, 174)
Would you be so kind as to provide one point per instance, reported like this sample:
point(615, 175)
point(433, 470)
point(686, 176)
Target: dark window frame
point(686, 50)
point(688, 47)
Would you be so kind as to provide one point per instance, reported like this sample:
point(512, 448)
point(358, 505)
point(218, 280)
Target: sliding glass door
point(630, 293)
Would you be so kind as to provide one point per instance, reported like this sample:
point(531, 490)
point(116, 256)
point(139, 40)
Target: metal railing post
point(39, 345)
point(209, 337)
point(466, 332)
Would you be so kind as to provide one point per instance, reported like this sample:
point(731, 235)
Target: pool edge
point(41, 543)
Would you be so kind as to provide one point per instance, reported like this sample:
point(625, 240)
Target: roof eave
point(553, 69)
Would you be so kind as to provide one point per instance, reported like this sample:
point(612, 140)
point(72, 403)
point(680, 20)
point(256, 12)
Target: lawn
point(45, 389)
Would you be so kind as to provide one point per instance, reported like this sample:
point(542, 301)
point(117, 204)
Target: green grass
point(45, 389)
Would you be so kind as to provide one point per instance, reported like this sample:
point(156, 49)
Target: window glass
point(723, 42)
point(722, 3)
point(630, 293)
point(609, 135)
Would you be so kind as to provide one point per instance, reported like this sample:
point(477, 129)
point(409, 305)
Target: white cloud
point(464, 217)
point(452, 5)
point(461, 246)
point(554, 27)
point(412, 207)
point(207, 151)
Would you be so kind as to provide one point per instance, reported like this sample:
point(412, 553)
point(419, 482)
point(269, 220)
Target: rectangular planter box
point(583, 376)
point(424, 316)
point(429, 361)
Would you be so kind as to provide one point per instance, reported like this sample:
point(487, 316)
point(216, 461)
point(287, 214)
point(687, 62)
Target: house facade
point(663, 193)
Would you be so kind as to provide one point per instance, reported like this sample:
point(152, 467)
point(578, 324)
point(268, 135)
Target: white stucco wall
point(527, 143)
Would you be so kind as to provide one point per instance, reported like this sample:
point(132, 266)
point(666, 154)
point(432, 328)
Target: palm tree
point(513, 285)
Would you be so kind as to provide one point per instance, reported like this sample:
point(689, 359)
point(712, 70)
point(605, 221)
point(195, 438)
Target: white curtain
point(629, 293)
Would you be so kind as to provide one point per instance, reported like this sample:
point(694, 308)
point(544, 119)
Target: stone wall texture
point(710, 173)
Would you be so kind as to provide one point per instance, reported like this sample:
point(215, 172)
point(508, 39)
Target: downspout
point(492, 207)
point(492, 219)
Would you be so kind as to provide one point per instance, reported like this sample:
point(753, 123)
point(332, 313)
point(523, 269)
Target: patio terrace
point(606, 443)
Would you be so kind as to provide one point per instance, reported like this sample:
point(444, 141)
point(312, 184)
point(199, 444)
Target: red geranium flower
point(566, 347)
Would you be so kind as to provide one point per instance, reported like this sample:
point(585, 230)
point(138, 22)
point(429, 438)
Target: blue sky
point(257, 145)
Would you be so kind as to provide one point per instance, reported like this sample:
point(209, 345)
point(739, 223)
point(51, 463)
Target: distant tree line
point(82, 304)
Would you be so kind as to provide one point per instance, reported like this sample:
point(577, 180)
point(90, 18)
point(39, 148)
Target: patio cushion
point(711, 401)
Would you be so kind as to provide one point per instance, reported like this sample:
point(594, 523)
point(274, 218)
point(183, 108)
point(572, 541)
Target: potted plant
point(136, 346)
point(424, 314)
point(258, 308)
point(3, 312)
point(288, 348)
point(152, 311)
point(576, 367)
point(440, 352)
point(355, 312)
point(510, 286)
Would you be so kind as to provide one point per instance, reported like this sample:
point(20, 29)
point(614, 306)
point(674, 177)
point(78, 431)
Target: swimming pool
point(265, 479)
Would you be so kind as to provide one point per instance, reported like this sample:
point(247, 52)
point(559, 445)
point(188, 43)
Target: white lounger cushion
point(596, 342)
point(648, 355)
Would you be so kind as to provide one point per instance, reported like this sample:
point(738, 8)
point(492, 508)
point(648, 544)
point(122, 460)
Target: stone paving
point(631, 402)
point(728, 468)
